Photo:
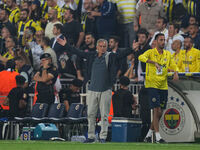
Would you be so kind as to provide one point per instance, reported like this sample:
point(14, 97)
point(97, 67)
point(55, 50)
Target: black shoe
point(102, 140)
point(147, 140)
point(161, 141)
point(89, 141)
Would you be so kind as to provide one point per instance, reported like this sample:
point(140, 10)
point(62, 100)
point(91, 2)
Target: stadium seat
point(76, 112)
point(39, 111)
point(75, 121)
point(56, 112)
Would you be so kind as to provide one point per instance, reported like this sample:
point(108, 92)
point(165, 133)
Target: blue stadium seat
point(39, 111)
point(56, 112)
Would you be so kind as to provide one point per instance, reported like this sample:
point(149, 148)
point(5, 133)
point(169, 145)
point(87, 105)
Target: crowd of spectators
point(30, 28)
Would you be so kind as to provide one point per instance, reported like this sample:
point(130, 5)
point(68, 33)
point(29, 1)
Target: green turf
point(45, 145)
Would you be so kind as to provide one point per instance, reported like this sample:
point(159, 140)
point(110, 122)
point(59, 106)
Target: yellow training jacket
point(190, 60)
point(153, 78)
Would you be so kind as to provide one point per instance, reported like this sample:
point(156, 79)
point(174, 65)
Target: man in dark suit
point(57, 31)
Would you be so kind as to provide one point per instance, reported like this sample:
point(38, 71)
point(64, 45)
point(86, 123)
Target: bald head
point(176, 45)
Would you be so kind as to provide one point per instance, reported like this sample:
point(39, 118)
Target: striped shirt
point(126, 9)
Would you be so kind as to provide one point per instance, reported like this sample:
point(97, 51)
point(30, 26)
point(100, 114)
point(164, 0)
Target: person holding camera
point(46, 78)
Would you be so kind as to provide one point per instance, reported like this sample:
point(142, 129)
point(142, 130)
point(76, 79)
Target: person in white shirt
point(161, 24)
point(35, 48)
point(52, 17)
point(173, 34)
point(45, 44)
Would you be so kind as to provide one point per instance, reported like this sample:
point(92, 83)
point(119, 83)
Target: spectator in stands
point(67, 63)
point(123, 100)
point(174, 10)
point(14, 11)
point(24, 69)
point(36, 11)
point(141, 46)
point(26, 5)
point(105, 19)
point(24, 23)
point(10, 44)
point(87, 21)
point(193, 30)
point(102, 66)
point(126, 13)
point(158, 62)
point(114, 48)
point(193, 8)
point(52, 4)
point(58, 33)
point(72, 29)
point(161, 25)
point(149, 11)
point(46, 78)
point(4, 22)
point(5, 33)
point(45, 44)
point(192, 20)
point(72, 4)
point(89, 46)
point(178, 52)
point(53, 19)
point(81, 8)
point(35, 49)
point(191, 56)
point(71, 94)
point(39, 35)
point(17, 99)
point(45, 9)
point(19, 52)
point(173, 34)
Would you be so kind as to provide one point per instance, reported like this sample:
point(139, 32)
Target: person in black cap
point(123, 100)
point(72, 94)
point(17, 99)
point(46, 78)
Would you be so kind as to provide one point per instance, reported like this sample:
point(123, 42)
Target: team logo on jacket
point(173, 119)
point(153, 99)
point(58, 106)
point(77, 107)
point(41, 106)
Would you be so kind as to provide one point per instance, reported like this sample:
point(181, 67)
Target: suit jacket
point(59, 49)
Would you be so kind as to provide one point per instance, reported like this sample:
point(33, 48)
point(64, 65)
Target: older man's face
point(102, 47)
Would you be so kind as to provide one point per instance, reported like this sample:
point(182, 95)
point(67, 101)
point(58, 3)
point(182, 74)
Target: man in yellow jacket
point(190, 57)
point(158, 61)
